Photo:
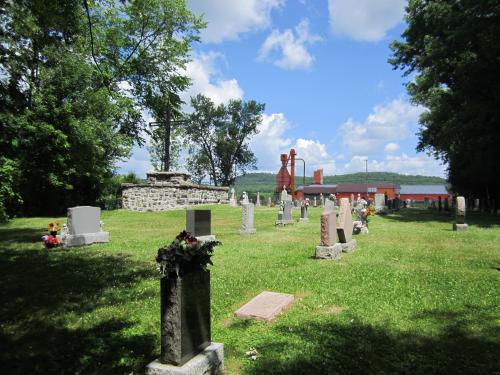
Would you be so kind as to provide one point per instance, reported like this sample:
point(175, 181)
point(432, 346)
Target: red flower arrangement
point(50, 240)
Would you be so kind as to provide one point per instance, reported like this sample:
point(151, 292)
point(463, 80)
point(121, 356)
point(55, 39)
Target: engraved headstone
point(328, 247)
point(269, 202)
point(315, 203)
point(257, 202)
point(232, 200)
point(247, 219)
point(83, 227)
point(330, 205)
point(287, 212)
point(344, 221)
point(199, 224)
point(379, 202)
point(303, 214)
point(284, 194)
point(321, 200)
point(460, 215)
point(266, 306)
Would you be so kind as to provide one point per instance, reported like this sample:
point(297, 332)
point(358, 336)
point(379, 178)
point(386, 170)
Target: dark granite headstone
point(185, 316)
point(198, 222)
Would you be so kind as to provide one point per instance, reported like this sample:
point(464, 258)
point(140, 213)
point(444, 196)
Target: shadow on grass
point(482, 220)
point(355, 348)
point(9, 235)
point(42, 292)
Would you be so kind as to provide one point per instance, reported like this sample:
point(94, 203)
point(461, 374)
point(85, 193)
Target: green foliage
point(9, 198)
point(451, 50)
point(266, 182)
point(219, 137)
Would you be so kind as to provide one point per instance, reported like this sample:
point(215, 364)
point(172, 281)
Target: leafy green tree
point(451, 52)
point(146, 44)
point(219, 137)
point(60, 126)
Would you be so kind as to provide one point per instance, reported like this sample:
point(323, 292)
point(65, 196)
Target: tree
point(219, 135)
point(450, 48)
point(60, 127)
point(146, 44)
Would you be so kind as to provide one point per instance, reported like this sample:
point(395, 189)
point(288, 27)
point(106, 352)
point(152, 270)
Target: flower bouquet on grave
point(185, 254)
point(50, 240)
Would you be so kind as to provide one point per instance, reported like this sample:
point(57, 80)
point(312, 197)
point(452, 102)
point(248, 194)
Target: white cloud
point(207, 79)
point(391, 148)
point(384, 124)
point(287, 49)
point(316, 156)
point(365, 20)
point(227, 19)
point(139, 163)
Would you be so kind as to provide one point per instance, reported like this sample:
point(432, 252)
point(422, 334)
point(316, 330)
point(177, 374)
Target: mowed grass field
point(415, 297)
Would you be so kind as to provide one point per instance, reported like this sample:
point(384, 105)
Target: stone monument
point(460, 224)
point(247, 219)
point(84, 227)
point(244, 198)
point(328, 248)
point(199, 224)
point(232, 200)
point(345, 226)
point(257, 201)
point(303, 212)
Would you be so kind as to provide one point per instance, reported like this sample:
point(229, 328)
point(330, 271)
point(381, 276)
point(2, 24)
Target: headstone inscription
point(460, 224)
point(247, 219)
point(199, 224)
point(328, 248)
point(83, 227)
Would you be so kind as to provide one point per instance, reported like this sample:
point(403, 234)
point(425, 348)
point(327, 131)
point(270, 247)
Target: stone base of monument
point(209, 361)
point(303, 220)
point(71, 240)
point(329, 252)
point(210, 237)
point(248, 231)
point(460, 227)
point(349, 247)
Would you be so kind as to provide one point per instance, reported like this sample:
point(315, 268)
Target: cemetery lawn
point(414, 297)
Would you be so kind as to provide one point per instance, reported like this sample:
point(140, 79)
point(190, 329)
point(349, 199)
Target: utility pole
point(366, 177)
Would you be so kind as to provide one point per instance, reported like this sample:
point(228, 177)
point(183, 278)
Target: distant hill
point(265, 182)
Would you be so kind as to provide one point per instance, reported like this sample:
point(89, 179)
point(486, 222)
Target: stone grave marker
point(345, 226)
point(476, 205)
point(321, 200)
point(266, 306)
point(247, 219)
point(328, 247)
point(460, 224)
point(303, 214)
point(329, 205)
point(269, 202)
point(380, 203)
point(232, 200)
point(287, 213)
point(257, 202)
point(315, 203)
point(199, 224)
point(244, 198)
point(84, 227)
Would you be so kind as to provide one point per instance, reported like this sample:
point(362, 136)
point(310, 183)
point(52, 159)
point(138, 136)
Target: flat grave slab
point(266, 306)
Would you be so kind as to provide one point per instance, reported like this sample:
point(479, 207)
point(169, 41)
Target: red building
point(422, 193)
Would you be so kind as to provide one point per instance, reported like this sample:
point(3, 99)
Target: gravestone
point(247, 219)
point(266, 306)
point(345, 226)
point(199, 224)
point(303, 214)
point(84, 227)
point(232, 200)
point(315, 203)
point(380, 203)
point(460, 224)
point(287, 213)
point(284, 194)
point(328, 247)
point(476, 205)
point(352, 200)
point(330, 205)
point(269, 202)
point(321, 200)
point(244, 198)
point(257, 202)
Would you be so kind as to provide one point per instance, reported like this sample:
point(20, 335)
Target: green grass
point(414, 297)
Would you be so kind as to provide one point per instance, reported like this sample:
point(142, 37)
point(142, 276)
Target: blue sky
point(321, 69)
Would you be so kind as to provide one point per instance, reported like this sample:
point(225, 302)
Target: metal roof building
point(423, 190)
